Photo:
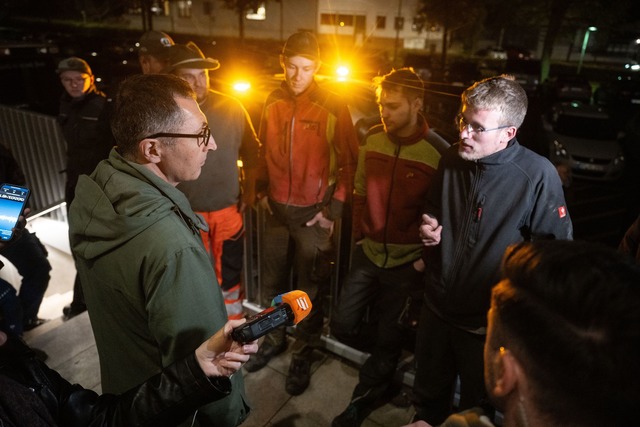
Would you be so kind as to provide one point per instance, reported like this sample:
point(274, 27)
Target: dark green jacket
point(149, 284)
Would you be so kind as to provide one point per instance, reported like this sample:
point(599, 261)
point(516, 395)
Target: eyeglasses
point(462, 125)
point(202, 137)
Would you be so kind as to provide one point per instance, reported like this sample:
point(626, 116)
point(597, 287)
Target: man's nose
point(212, 144)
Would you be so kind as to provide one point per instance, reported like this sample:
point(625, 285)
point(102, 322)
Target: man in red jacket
point(309, 150)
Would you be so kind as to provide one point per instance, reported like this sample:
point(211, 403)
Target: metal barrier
point(39, 147)
point(37, 144)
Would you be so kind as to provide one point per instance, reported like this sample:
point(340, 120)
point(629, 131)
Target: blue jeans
point(29, 257)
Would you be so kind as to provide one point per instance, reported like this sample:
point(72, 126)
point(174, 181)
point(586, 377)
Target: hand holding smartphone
point(13, 200)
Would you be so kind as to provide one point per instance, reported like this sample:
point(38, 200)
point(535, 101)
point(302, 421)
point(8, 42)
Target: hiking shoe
point(266, 351)
point(72, 310)
point(32, 323)
point(299, 375)
point(350, 417)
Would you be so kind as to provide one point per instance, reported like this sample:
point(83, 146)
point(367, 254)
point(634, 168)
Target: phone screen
point(13, 199)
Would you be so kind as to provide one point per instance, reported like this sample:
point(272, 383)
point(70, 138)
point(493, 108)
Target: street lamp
point(585, 41)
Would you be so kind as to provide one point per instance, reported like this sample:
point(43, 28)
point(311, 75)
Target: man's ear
point(507, 371)
point(511, 132)
point(150, 150)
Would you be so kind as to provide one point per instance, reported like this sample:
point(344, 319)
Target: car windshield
point(585, 127)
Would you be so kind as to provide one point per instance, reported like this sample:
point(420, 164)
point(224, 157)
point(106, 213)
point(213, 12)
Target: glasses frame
point(205, 135)
point(462, 125)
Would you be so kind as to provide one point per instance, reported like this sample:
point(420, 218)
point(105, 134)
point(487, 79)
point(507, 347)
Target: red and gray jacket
point(309, 149)
point(391, 184)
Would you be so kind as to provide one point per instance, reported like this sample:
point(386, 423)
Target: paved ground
point(72, 351)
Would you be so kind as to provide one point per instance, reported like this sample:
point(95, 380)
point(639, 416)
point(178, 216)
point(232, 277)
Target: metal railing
point(37, 144)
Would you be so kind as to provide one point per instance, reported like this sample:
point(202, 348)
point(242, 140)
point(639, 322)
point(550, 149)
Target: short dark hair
point(569, 311)
point(145, 104)
point(404, 80)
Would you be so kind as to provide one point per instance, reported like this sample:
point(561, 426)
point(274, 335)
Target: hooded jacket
point(149, 284)
point(510, 196)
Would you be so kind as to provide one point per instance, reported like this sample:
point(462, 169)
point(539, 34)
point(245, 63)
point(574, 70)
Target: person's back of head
point(403, 80)
point(500, 93)
point(569, 313)
point(146, 105)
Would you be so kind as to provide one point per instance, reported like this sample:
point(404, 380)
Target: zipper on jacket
point(291, 130)
point(188, 222)
point(388, 210)
point(471, 217)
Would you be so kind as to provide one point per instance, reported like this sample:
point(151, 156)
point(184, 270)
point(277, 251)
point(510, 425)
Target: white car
point(583, 137)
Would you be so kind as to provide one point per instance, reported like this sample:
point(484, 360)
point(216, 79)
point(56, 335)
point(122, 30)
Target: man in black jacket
point(489, 192)
point(84, 119)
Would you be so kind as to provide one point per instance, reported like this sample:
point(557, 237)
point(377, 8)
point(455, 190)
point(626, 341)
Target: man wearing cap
point(154, 52)
point(84, 119)
point(218, 194)
point(308, 159)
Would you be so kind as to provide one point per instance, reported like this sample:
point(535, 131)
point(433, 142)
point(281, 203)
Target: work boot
point(362, 404)
point(299, 375)
point(352, 416)
point(265, 352)
point(72, 310)
point(32, 323)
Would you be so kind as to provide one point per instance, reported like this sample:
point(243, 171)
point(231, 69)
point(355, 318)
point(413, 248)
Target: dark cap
point(190, 56)
point(156, 43)
point(302, 43)
point(74, 64)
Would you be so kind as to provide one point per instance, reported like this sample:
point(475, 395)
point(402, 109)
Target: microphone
point(286, 309)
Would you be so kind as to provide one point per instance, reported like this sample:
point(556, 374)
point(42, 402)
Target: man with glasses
point(84, 120)
point(149, 284)
point(489, 192)
point(217, 194)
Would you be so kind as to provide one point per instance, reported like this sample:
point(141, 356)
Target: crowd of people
point(476, 238)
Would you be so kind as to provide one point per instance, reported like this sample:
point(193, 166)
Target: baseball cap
point(190, 56)
point(156, 43)
point(302, 43)
point(74, 64)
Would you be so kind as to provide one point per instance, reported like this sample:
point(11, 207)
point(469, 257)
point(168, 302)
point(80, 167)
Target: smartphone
point(13, 199)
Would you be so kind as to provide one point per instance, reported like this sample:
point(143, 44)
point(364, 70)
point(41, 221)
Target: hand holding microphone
point(286, 309)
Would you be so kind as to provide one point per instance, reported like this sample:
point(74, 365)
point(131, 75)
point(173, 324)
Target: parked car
point(567, 87)
point(583, 136)
point(492, 53)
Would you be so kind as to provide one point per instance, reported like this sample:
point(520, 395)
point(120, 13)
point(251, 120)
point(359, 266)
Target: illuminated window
point(337, 20)
point(258, 14)
point(184, 8)
point(328, 19)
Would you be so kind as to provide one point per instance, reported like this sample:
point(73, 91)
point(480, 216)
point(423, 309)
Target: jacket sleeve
point(550, 217)
point(346, 147)
point(359, 195)
point(165, 399)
